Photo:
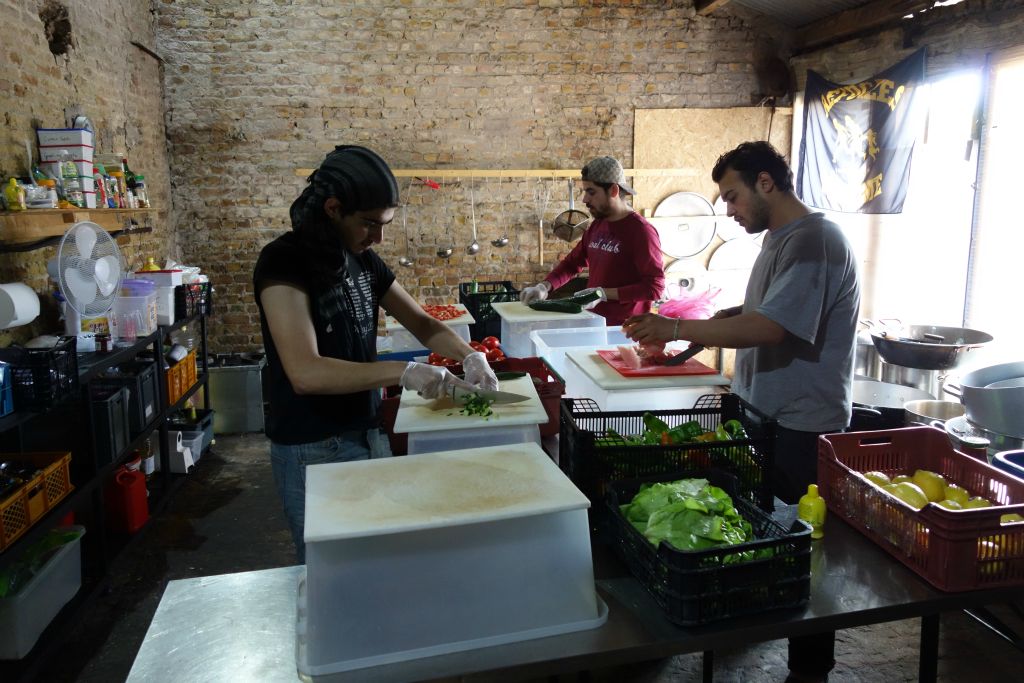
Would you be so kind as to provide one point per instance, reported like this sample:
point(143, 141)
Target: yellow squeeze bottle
point(811, 509)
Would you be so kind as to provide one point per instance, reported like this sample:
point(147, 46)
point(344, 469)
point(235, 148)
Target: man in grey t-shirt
point(795, 333)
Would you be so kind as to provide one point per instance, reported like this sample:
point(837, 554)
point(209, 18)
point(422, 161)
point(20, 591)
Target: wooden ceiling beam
point(706, 7)
point(852, 22)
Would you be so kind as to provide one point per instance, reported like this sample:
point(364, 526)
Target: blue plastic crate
point(6, 390)
point(1010, 461)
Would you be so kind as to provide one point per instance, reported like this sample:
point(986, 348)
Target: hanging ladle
point(445, 252)
point(474, 246)
point(406, 260)
point(503, 240)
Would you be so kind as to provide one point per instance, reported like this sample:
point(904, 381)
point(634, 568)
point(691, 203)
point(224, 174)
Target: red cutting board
point(690, 367)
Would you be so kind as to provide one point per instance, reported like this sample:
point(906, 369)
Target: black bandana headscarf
point(358, 177)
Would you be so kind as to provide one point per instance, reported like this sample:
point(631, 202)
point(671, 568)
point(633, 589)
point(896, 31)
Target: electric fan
point(88, 271)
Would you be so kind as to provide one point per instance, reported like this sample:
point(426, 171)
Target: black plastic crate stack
point(108, 412)
point(477, 297)
point(692, 587)
point(42, 377)
point(140, 380)
point(592, 459)
point(192, 299)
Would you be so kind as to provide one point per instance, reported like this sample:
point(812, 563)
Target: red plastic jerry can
point(127, 503)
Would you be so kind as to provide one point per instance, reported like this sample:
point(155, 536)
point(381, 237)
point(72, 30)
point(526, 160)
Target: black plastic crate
point(477, 297)
point(592, 460)
point(108, 412)
point(192, 299)
point(700, 586)
point(203, 422)
point(43, 377)
point(140, 379)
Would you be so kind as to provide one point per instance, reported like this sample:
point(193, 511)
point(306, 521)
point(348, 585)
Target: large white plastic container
point(519, 320)
point(440, 553)
point(551, 344)
point(27, 613)
point(403, 340)
point(588, 376)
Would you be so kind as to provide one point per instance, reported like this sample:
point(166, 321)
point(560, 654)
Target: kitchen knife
point(685, 355)
point(460, 394)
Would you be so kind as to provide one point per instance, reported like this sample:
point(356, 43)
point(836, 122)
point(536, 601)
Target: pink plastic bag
point(691, 306)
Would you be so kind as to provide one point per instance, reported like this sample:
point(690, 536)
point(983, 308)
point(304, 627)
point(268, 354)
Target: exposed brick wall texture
point(257, 89)
point(116, 84)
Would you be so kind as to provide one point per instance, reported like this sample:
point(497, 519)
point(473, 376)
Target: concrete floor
point(227, 518)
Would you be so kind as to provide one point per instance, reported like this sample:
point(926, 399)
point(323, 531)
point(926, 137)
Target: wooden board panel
point(36, 224)
point(691, 140)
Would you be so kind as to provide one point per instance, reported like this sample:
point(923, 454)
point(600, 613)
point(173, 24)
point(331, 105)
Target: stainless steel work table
point(242, 626)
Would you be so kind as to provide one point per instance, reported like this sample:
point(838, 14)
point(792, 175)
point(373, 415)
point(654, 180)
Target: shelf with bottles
point(35, 227)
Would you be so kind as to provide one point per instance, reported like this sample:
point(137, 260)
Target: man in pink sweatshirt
point(620, 249)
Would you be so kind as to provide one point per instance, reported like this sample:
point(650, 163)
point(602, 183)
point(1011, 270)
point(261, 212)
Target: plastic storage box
point(453, 551)
point(700, 586)
point(43, 377)
point(191, 440)
point(236, 394)
point(953, 550)
point(139, 379)
point(589, 376)
point(552, 344)
point(191, 299)
point(203, 423)
point(108, 410)
point(1010, 461)
point(518, 321)
point(593, 458)
point(27, 613)
point(6, 390)
point(134, 313)
point(180, 377)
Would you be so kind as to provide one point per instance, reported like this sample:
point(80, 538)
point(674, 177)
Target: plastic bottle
point(811, 509)
point(140, 191)
point(14, 195)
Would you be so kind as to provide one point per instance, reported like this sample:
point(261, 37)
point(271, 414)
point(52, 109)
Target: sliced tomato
point(448, 362)
point(434, 358)
point(495, 354)
point(491, 342)
point(477, 346)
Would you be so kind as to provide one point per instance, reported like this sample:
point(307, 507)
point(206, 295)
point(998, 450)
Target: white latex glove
point(538, 292)
point(430, 381)
point(478, 372)
point(592, 290)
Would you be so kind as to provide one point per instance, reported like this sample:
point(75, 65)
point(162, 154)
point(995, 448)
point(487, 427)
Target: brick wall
point(255, 90)
point(116, 84)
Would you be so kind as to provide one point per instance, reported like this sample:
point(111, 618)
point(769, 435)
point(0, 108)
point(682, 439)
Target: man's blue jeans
point(289, 465)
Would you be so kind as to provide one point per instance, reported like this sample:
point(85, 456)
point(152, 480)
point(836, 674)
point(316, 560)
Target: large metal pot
point(879, 405)
point(928, 347)
point(993, 399)
point(927, 381)
point(931, 412)
point(867, 363)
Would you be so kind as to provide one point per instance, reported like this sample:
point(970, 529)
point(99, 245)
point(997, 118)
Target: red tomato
point(491, 342)
point(448, 362)
point(495, 354)
point(477, 346)
point(434, 358)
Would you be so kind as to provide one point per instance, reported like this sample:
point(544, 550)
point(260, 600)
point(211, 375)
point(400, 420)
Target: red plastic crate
point(550, 386)
point(953, 550)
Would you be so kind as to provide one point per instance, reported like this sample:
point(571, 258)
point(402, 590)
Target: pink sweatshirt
point(624, 254)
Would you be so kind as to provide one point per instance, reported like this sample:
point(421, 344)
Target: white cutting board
point(391, 324)
point(395, 495)
point(518, 312)
point(606, 377)
point(417, 414)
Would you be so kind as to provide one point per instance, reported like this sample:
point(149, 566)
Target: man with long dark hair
point(319, 289)
point(795, 332)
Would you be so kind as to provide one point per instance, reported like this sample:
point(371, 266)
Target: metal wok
point(991, 400)
point(879, 405)
point(927, 347)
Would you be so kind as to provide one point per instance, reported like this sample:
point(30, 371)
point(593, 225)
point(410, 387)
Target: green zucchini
point(583, 299)
point(557, 306)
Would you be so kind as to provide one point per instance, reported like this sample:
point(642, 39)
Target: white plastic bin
point(456, 439)
point(27, 613)
point(132, 317)
point(518, 321)
point(551, 344)
point(445, 552)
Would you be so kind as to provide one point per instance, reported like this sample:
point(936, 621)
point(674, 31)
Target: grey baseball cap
point(606, 170)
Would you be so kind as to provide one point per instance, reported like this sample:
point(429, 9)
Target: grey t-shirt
point(805, 279)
